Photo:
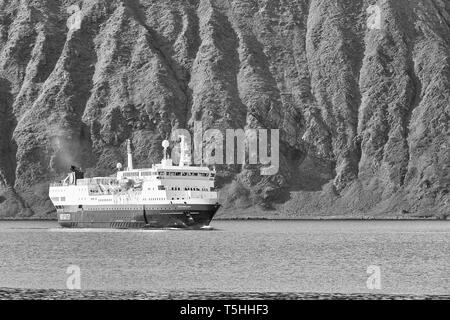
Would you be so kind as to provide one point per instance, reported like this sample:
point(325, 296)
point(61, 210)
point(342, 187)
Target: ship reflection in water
point(238, 258)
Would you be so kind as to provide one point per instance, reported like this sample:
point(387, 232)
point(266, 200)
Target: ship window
point(131, 174)
point(195, 174)
point(178, 173)
point(184, 174)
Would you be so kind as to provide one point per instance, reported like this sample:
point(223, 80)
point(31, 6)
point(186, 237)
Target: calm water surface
point(236, 256)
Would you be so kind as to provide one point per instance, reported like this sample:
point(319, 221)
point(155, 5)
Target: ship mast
point(130, 155)
point(185, 157)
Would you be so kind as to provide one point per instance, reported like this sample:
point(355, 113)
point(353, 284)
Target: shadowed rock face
point(363, 111)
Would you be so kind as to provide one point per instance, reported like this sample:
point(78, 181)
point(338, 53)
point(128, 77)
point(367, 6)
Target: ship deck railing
point(89, 181)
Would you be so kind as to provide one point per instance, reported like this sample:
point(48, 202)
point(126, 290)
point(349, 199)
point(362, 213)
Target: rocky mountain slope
point(360, 90)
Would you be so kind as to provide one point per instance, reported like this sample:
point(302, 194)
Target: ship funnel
point(130, 155)
point(185, 157)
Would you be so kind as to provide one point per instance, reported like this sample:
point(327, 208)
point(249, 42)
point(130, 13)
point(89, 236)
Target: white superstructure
point(163, 183)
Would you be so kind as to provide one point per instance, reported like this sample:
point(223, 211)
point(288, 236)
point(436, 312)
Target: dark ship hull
point(137, 216)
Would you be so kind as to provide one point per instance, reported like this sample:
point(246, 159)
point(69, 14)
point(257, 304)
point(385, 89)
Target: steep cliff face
point(362, 104)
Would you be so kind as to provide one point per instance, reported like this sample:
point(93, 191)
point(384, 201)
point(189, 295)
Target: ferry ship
point(163, 196)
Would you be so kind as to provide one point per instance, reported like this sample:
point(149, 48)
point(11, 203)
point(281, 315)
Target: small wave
point(208, 228)
point(102, 230)
point(204, 228)
point(28, 228)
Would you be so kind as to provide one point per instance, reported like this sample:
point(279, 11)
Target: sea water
point(405, 257)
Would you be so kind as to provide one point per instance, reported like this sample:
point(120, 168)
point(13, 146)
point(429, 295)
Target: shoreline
point(307, 218)
point(330, 217)
point(65, 294)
